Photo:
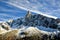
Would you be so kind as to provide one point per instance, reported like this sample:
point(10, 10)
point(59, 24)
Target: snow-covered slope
point(32, 25)
point(36, 20)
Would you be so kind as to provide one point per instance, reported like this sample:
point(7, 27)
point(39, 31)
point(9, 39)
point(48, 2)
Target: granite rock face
point(36, 20)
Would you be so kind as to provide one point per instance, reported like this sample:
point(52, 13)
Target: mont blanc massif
point(31, 27)
point(40, 20)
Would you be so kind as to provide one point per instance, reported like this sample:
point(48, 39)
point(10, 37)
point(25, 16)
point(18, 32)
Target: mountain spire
point(28, 15)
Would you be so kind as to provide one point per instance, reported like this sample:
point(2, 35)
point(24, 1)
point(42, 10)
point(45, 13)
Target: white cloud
point(31, 10)
point(49, 6)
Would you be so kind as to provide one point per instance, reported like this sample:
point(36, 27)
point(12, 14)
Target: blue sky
point(10, 12)
point(11, 9)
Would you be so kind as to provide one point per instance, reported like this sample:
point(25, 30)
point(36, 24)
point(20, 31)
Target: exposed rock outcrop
point(31, 33)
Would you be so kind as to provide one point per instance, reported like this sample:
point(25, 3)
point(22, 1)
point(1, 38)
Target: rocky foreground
point(31, 33)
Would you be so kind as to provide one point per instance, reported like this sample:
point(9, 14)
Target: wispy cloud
point(44, 6)
point(6, 17)
point(31, 10)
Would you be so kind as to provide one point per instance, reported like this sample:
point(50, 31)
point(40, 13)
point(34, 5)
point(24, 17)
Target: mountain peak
point(28, 14)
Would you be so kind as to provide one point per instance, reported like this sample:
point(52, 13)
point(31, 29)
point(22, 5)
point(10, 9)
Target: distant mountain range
point(35, 20)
